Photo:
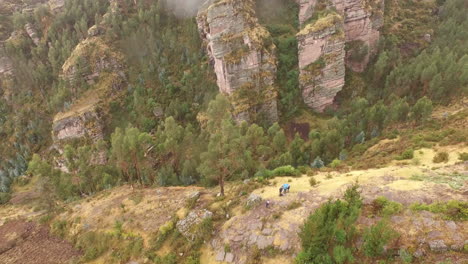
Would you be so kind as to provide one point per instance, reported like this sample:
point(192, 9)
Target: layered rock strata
point(85, 123)
point(243, 55)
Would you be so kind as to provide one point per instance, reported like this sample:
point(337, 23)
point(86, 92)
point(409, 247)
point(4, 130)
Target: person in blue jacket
point(284, 189)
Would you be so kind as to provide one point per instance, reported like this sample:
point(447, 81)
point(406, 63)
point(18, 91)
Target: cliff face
point(322, 51)
point(85, 123)
point(362, 22)
point(99, 65)
point(321, 61)
point(243, 55)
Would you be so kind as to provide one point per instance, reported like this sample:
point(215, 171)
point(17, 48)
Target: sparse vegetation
point(454, 210)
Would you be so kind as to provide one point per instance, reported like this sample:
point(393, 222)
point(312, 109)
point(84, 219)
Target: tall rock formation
point(321, 61)
point(326, 27)
point(243, 55)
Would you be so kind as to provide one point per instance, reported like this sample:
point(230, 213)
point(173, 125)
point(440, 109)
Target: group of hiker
point(282, 191)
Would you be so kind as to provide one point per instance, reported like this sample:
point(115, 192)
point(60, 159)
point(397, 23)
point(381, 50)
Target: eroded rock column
point(243, 55)
point(321, 61)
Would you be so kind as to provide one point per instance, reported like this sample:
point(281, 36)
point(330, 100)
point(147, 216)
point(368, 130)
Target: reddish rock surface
point(243, 56)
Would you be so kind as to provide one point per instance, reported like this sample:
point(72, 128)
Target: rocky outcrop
point(187, 225)
point(243, 55)
point(322, 53)
point(92, 59)
point(102, 68)
point(56, 5)
point(32, 33)
point(6, 68)
point(321, 61)
point(83, 121)
point(362, 22)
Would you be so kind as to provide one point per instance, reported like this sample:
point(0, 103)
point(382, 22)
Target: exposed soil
point(19, 242)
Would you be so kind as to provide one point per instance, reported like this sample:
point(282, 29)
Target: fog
point(184, 8)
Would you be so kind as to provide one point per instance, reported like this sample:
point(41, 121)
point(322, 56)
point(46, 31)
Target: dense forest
point(196, 140)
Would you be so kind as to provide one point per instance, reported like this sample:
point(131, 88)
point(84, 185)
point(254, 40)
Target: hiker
point(281, 191)
point(267, 204)
point(286, 187)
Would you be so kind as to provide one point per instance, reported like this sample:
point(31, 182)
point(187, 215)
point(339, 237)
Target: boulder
point(194, 218)
point(253, 200)
point(438, 246)
point(32, 33)
point(78, 123)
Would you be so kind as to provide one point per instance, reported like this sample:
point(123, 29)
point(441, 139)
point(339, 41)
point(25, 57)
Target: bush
point(453, 210)
point(4, 197)
point(59, 228)
point(384, 207)
point(93, 245)
point(376, 237)
point(294, 205)
point(463, 156)
point(317, 163)
point(286, 171)
point(440, 157)
point(264, 173)
point(328, 232)
point(335, 164)
point(405, 256)
point(303, 169)
point(407, 154)
point(313, 182)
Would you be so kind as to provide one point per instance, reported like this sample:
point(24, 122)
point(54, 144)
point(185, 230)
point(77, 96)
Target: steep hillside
point(160, 131)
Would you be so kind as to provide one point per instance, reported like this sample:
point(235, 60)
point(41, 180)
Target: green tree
point(129, 153)
point(223, 159)
point(422, 110)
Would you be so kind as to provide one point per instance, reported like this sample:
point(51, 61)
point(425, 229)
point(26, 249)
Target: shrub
point(407, 154)
point(313, 181)
point(453, 210)
point(317, 163)
point(382, 206)
point(4, 197)
point(405, 256)
point(93, 245)
point(376, 237)
point(59, 228)
point(463, 156)
point(286, 171)
point(294, 205)
point(335, 163)
point(441, 157)
point(327, 232)
point(303, 169)
point(264, 173)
